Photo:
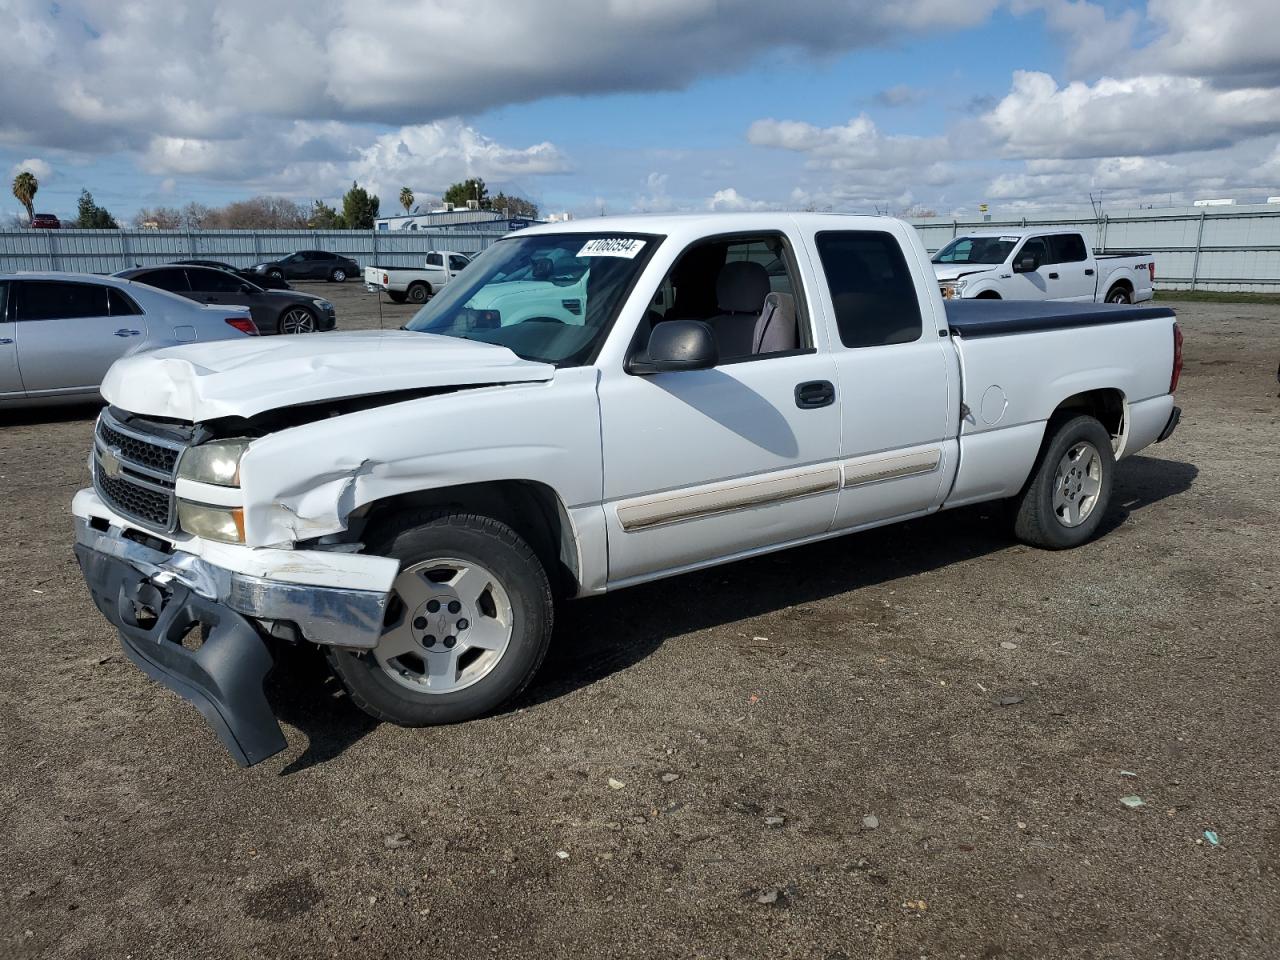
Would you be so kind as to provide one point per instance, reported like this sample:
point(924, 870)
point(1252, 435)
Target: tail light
point(1151, 268)
point(384, 280)
point(1177, 358)
point(243, 324)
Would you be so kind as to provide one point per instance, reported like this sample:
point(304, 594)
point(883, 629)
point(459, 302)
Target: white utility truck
point(416, 501)
point(1040, 265)
point(416, 284)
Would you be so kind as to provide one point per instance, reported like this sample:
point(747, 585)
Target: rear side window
point(175, 281)
point(1068, 248)
point(872, 290)
point(56, 300)
point(214, 281)
point(121, 304)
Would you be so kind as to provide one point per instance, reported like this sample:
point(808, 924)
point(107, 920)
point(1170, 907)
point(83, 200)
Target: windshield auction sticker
point(612, 247)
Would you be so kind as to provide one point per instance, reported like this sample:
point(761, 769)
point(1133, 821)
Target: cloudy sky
point(650, 105)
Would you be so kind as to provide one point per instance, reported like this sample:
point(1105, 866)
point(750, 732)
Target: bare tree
point(158, 218)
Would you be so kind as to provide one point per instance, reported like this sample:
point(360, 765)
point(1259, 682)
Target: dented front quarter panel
point(305, 481)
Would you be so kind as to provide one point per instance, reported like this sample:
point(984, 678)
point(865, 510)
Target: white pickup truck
point(1040, 265)
point(417, 501)
point(416, 284)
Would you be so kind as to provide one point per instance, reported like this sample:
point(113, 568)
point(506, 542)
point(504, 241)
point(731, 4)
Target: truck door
point(70, 334)
point(706, 464)
point(457, 263)
point(1031, 284)
point(10, 377)
point(1076, 277)
point(896, 376)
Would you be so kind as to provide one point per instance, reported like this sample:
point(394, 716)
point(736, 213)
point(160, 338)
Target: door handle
point(814, 394)
point(122, 332)
point(5, 340)
point(1089, 272)
point(1053, 276)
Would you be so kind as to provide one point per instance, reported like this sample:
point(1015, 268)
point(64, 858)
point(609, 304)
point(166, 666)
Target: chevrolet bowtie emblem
point(110, 462)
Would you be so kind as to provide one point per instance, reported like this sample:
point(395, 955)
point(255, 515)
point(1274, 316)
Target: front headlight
point(212, 523)
point(959, 285)
point(324, 304)
point(217, 462)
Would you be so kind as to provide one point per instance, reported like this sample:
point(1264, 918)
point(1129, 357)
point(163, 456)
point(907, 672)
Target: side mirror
point(1027, 264)
point(677, 345)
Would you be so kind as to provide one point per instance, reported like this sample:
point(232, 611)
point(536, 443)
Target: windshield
point(976, 250)
point(548, 297)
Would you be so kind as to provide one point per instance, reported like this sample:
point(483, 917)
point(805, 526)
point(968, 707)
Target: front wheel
point(467, 626)
point(1070, 488)
point(276, 275)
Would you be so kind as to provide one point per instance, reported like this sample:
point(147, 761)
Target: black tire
point(275, 274)
point(396, 296)
point(339, 275)
point(481, 540)
point(1119, 294)
point(1035, 521)
point(988, 295)
point(418, 292)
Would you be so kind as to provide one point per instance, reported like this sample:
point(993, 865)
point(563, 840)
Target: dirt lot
point(908, 743)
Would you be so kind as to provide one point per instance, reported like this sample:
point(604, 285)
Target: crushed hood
point(250, 375)
point(954, 271)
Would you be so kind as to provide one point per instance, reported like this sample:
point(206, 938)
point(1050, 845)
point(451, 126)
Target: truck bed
point(993, 318)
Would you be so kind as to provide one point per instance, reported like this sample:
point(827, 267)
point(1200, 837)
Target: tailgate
point(373, 276)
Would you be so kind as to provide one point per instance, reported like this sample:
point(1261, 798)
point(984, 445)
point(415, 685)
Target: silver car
point(59, 332)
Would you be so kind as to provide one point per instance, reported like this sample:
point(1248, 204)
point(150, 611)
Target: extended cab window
point(1068, 248)
point(741, 287)
point(872, 289)
point(55, 300)
point(435, 259)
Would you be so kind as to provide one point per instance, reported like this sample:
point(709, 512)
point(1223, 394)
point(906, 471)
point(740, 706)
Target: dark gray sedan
point(273, 311)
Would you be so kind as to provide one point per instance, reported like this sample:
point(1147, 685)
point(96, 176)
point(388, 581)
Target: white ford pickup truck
point(416, 284)
point(417, 501)
point(1040, 265)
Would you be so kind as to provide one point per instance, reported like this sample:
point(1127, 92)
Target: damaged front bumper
point(156, 594)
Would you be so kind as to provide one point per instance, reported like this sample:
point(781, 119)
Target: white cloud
point(856, 145)
point(729, 200)
point(41, 169)
point(1144, 115)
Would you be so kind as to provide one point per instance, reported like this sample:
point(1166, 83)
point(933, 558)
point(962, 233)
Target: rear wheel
point(1070, 489)
point(338, 275)
point(297, 320)
point(467, 627)
point(1119, 294)
point(418, 292)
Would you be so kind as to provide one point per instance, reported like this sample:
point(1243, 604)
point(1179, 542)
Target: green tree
point(92, 216)
point(474, 189)
point(325, 217)
point(359, 208)
point(406, 199)
point(515, 206)
point(25, 186)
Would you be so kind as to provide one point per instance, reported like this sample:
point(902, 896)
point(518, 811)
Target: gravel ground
point(907, 743)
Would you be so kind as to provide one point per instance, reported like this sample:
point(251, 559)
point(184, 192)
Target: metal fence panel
point(106, 251)
point(1205, 248)
point(1208, 248)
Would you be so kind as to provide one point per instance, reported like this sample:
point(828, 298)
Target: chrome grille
point(135, 472)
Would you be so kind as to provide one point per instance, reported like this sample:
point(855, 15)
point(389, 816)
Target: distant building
point(448, 217)
point(1225, 202)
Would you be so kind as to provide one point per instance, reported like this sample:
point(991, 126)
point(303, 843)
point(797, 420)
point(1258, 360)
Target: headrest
point(742, 287)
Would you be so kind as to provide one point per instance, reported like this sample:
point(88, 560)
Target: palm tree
point(25, 186)
point(406, 199)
